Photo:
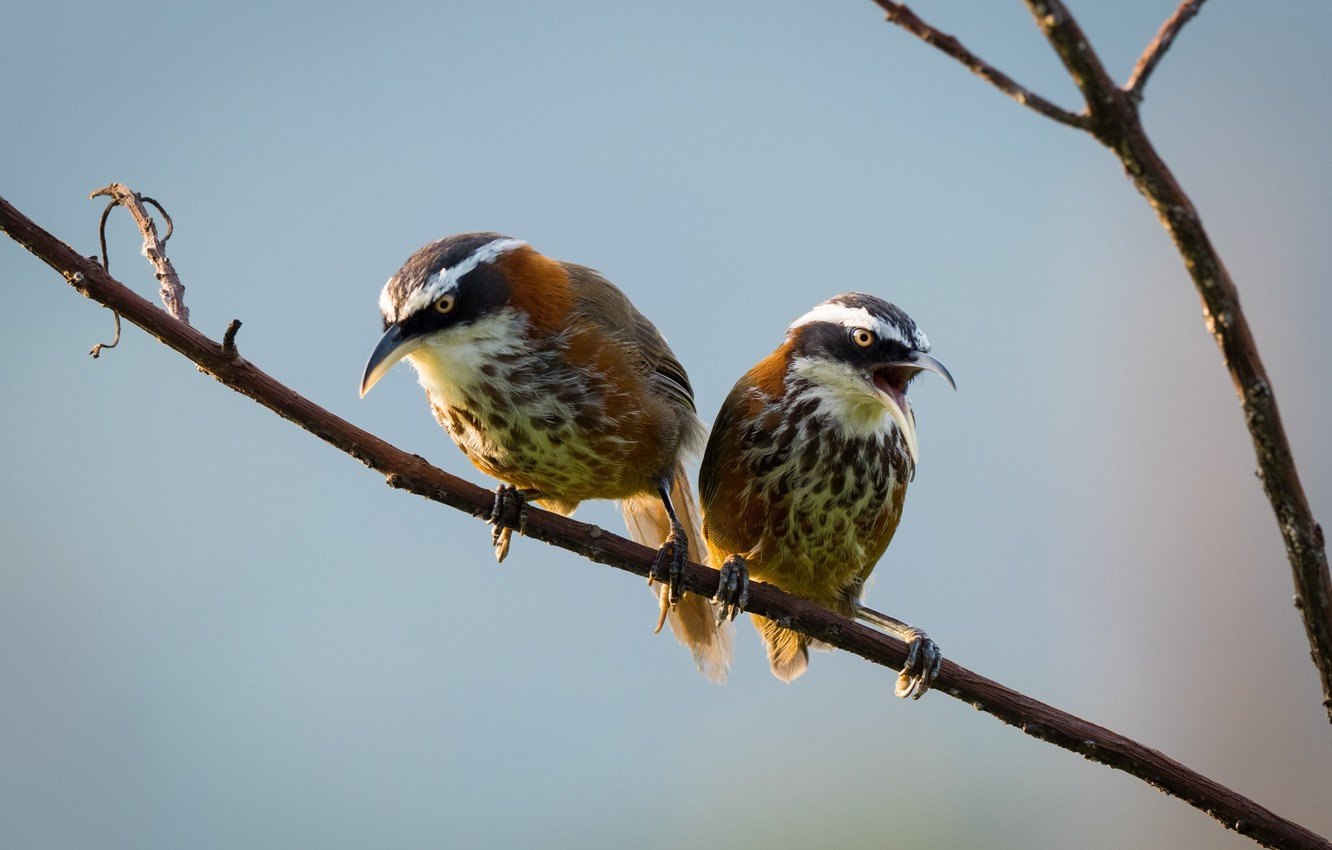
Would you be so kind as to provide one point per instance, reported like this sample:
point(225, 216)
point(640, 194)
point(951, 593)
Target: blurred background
point(216, 631)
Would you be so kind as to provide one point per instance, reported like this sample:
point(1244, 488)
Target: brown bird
point(549, 380)
point(807, 467)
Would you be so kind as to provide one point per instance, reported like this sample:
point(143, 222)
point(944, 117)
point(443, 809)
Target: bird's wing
point(600, 302)
point(721, 446)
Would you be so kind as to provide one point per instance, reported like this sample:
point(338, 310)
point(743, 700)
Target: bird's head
point(460, 292)
point(859, 353)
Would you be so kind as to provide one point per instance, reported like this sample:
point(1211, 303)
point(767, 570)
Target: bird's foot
point(733, 589)
point(669, 565)
point(507, 497)
point(921, 667)
point(923, 655)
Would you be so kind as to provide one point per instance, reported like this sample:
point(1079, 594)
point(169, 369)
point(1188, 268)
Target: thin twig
point(1158, 47)
point(412, 473)
point(171, 226)
point(901, 15)
point(96, 350)
point(101, 233)
point(172, 290)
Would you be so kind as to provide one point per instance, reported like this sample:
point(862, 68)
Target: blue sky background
point(216, 631)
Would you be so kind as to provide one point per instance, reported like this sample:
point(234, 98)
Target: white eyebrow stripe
point(386, 301)
point(852, 317)
point(445, 280)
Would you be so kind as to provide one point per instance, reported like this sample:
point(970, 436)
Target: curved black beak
point(393, 346)
point(889, 382)
point(926, 363)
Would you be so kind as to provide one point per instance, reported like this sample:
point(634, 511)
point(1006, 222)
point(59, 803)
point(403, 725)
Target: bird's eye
point(862, 337)
point(445, 304)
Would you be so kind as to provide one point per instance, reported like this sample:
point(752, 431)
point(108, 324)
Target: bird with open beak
point(805, 473)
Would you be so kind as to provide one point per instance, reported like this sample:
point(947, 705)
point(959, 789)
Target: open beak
point(393, 346)
point(890, 380)
point(926, 363)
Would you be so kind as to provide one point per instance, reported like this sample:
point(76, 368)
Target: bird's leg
point(507, 497)
point(733, 589)
point(923, 655)
point(674, 551)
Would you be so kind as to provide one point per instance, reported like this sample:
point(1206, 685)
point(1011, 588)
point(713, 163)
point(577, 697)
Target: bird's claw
point(663, 598)
point(506, 497)
point(669, 565)
point(921, 667)
point(732, 589)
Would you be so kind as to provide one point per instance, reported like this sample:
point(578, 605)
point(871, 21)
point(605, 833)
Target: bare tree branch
point(412, 473)
point(1084, 66)
point(1112, 117)
point(901, 14)
point(173, 291)
point(1116, 123)
point(1158, 47)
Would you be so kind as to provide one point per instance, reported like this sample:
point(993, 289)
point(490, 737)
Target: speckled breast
point(831, 501)
point(541, 427)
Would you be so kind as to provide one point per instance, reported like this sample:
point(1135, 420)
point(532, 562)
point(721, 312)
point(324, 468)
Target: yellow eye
point(446, 304)
point(862, 337)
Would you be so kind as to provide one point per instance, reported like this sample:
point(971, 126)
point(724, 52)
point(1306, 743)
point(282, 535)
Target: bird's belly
point(823, 552)
point(826, 523)
point(529, 419)
point(562, 453)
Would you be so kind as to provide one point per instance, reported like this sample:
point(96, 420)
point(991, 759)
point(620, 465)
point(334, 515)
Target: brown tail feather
point(788, 651)
point(692, 619)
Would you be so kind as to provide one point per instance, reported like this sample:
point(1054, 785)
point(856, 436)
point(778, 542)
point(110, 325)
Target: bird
point(550, 380)
point(806, 469)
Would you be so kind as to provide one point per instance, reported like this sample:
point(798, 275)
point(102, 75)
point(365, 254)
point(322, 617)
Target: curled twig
point(96, 350)
point(154, 247)
point(171, 227)
point(101, 233)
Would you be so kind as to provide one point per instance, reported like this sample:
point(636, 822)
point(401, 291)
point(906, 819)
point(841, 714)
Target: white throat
point(843, 393)
point(449, 364)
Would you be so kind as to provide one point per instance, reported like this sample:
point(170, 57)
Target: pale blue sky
point(215, 631)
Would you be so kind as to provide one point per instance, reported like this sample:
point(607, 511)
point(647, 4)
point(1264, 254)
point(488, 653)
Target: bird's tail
point(788, 650)
point(692, 619)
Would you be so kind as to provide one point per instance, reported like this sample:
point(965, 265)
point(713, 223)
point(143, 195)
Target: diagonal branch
point(412, 473)
point(1112, 117)
point(1158, 47)
point(901, 14)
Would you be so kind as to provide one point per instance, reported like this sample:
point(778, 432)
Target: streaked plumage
point(550, 380)
point(806, 470)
